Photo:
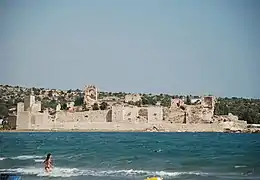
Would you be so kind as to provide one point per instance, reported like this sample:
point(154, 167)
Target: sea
point(128, 156)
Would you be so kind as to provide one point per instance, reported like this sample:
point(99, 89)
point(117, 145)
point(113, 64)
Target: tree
point(95, 106)
point(245, 109)
point(3, 110)
point(148, 100)
point(64, 106)
point(166, 102)
point(50, 93)
point(37, 98)
point(52, 104)
point(144, 100)
point(79, 101)
point(103, 106)
point(36, 91)
point(138, 103)
point(226, 110)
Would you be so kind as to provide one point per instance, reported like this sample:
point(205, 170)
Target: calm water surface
point(117, 156)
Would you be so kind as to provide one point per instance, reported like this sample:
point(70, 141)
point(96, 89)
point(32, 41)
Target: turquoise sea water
point(117, 156)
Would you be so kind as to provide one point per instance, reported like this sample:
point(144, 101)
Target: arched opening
point(109, 116)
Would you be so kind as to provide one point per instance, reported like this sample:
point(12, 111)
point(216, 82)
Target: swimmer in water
point(48, 163)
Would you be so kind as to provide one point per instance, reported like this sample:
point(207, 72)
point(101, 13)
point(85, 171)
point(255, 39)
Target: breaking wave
point(241, 166)
point(38, 160)
point(26, 157)
point(70, 172)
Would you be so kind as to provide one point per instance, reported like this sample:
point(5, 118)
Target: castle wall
point(117, 114)
point(41, 121)
point(130, 114)
point(155, 114)
point(87, 116)
point(142, 115)
point(176, 116)
point(36, 107)
point(97, 116)
point(20, 107)
point(23, 120)
point(198, 114)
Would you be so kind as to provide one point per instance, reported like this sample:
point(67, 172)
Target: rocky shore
point(247, 130)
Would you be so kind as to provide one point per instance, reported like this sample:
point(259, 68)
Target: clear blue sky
point(158, 46)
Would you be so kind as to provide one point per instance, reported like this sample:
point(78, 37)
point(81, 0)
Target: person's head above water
point(48, 157)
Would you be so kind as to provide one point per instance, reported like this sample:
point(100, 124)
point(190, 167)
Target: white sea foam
point(26, 157)
point(241, 166)
point(38, 160)
point(70, 172)
point(2, 158)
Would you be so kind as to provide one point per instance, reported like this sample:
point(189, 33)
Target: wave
point(241, 166)
point(26, 157)
point(38, 160)
point(70, 172)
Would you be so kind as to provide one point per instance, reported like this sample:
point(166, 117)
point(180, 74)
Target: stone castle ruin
point(119, 116)
point(30, 116)
point(179, 112)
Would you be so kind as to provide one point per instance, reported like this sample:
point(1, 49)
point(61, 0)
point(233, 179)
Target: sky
point(141, 46)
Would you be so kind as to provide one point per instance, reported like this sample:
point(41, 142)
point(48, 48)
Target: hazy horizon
point(149, 46)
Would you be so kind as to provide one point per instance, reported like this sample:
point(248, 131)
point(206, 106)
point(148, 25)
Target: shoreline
point(121, 131)
point(150, 127)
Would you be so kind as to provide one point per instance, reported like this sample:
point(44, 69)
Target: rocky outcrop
point(247, 130)
point(230, 123)
point(155, 128)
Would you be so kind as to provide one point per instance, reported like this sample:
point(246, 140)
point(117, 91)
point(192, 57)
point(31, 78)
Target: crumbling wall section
point(142, 115)
point(199, 114)
point(130, 114)
point(175, 115)
point(155, 114)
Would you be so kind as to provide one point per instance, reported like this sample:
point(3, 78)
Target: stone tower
point(90, 95)
point(28, 102)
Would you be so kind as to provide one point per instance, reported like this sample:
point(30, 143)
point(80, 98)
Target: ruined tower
point(90, 95)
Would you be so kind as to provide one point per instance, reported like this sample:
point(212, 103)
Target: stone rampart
point(23, 120)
